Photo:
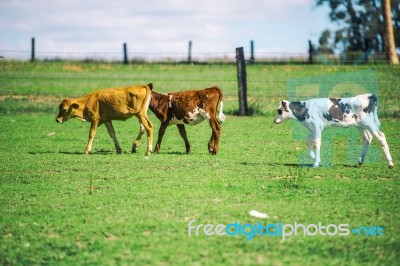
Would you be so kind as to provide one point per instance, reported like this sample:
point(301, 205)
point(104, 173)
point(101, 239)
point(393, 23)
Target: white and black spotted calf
point(317, 114)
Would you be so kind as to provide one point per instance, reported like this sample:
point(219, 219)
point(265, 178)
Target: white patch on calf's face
point(282, 116)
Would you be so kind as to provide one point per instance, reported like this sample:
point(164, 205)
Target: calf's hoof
point(134, 148)
point(391, 165)
point(157, 148)
point(213, 152)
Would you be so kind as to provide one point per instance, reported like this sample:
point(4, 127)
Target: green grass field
point(59, 206)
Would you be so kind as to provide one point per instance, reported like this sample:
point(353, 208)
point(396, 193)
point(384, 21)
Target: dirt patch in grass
point(29, 103)
point(73, 68)
point(32, 98)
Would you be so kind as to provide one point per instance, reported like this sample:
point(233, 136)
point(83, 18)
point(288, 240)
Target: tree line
point(361, 26)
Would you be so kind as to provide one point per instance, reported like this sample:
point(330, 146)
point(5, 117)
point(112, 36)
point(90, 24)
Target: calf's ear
point(75, 105)
point(285, 105)
point(150, 85)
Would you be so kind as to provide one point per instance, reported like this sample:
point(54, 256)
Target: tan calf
point(103, 106)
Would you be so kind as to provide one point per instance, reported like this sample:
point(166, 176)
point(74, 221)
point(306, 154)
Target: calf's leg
point(367, 138)
point(317, 139)
point(310, 139)
point(182, 131)
point(382, 139)
point(138, 138)
point(92, 133)
point(111, 131)
point(161, 132)
point(149, 130)
point(213, 144)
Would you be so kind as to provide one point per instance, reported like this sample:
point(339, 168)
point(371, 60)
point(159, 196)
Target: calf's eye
point(280, 111)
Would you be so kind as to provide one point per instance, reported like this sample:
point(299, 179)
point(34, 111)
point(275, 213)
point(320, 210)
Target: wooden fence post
point(252, 52)
point(311, 51)
point(125, 54)
point(190, 52)
point(32, 49)
point(242, 82)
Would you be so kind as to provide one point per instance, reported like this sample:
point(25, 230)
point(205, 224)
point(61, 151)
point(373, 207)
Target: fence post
point(252, 52)
point(311, 51)
point(190, 52)
point(32, 49)
point(125, 54)
point(242, 82)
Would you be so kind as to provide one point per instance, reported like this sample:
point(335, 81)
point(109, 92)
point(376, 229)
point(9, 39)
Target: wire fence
point(271, 77)
point(349, 58)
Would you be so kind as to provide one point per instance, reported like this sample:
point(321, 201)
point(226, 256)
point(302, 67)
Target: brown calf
point(103, 106)
point(188, 107)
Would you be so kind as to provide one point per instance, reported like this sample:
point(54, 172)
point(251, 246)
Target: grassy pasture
point(61, 207)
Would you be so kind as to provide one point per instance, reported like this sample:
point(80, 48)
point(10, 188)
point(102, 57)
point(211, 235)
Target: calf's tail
point(221, 116)
point(145, 103)
point(374, 100)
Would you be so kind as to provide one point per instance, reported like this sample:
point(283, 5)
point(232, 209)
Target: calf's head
point(283, 112)
point(66, 110)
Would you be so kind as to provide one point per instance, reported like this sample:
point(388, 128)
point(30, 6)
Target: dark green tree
point(324, 46)
point(360, 24)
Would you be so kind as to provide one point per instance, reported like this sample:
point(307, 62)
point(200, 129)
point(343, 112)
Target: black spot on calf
point(299, 110)
point(328, 116)
point(372, 103)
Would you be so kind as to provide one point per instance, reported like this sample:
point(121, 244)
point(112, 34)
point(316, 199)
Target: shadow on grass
point(100, 152)
point(299, 165)
point(41, 152)
point(278, 164)
point(254, 109)
point(171, 153)
point(96, 152)
point(321, 166)
point(103, 152)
